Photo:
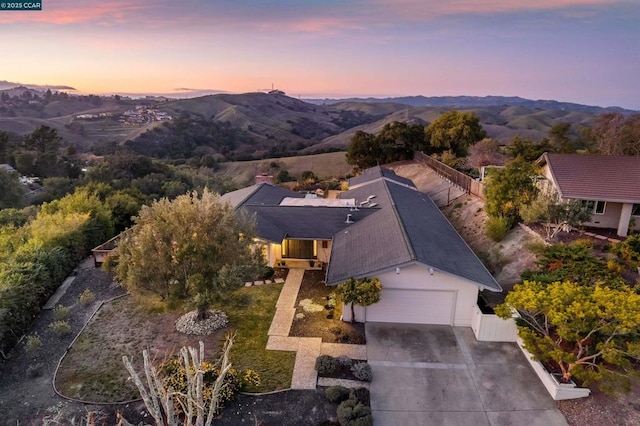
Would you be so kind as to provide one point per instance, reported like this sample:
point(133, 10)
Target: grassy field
point(93, 369)
point(242, 173)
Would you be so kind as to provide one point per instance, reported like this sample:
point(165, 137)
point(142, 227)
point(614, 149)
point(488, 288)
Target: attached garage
point(413, 306)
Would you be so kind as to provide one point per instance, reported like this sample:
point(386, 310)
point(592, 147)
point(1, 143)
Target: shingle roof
point(275, 223)
point(408, 227)
point(398, 226)
point(596, 177)
point(374, 173)
point(261, 194)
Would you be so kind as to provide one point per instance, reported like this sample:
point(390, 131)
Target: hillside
point(324, 166)
point(260, 125)
point(501, 122)
point(475, 102)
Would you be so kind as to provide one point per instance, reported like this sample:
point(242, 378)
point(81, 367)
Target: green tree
point(124, 205)
point(11, 190)
point(527, 149)
point(554, 213)
point(364, 151)
point(508, 190)
point(456, 131)
point(560, 138)
point(4, 146)
point(590, 332)
point(396, 142)
point(363, 292)
point(43, 139)
point(191, 247)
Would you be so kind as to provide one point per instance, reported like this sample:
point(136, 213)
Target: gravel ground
point(24, 398)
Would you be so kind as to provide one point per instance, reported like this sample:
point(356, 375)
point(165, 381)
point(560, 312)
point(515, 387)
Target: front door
point(298, 249)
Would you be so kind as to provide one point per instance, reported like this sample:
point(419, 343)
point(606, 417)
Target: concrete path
point(307, 348)
point(427, 374)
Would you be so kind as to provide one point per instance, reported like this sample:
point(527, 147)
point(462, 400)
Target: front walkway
point(307, 348)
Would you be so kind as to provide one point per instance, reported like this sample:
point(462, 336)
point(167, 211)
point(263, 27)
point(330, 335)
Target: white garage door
point(413, 306)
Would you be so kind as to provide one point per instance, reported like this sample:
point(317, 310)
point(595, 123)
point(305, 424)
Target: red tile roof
point(596, 177)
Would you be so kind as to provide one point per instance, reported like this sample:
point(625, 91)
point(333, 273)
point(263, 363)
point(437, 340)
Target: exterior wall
point(418, 277)
point(274, 253)
point(324, 253)
point(609, 219)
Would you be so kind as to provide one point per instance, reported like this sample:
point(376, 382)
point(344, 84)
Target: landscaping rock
point(188, 323)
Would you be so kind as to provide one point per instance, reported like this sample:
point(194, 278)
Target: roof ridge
point(405, 235)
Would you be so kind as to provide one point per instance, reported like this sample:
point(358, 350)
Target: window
point(636, 210)
point(595, 207)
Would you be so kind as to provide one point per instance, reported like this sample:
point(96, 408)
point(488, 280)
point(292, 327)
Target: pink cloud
point(414, 9)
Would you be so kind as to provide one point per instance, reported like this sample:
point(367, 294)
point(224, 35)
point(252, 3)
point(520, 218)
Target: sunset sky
point(585, 51)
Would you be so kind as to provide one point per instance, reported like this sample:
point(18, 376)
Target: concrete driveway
point(440, 375)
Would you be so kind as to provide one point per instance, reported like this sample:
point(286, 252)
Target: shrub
point(336, 393)
point(60, 328)
point(497, 228)
point(61, 313)
point(362, 371)
point(34, 370)
point(361, 395)
point(352, 413)
point(86, 298)
point(614, 266)
point(326, 365)
point(629, 249)
point(32, 345)
point(332, 300)
point(268, 272)
point(344, 360)
point(234, 381)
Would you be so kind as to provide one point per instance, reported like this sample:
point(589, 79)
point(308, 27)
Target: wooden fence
point(467, 183)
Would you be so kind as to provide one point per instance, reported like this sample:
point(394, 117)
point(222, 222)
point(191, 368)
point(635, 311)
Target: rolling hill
point(274, 125)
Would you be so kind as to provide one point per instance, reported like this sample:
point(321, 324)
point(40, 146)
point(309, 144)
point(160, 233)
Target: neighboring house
point(381, 227)
point(609, 185)
point(7, 168)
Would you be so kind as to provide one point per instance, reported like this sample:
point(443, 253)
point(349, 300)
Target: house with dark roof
point(383, 227)
point(609, 185)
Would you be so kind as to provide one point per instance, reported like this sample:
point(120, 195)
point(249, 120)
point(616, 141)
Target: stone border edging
point(55, 373)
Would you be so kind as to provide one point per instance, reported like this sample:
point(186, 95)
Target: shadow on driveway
point(440, 375)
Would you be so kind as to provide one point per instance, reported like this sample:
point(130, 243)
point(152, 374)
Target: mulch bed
point(288, 408)
point(325, 324)
point(343, 371)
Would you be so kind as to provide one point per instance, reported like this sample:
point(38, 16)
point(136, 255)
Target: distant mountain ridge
point(6, 85)
point(477, 101)
point(261, 125)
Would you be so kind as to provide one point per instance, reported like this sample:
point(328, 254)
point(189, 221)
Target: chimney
point(264, 178)
point(349, 219)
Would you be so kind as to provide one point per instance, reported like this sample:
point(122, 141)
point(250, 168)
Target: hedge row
point(40, 255)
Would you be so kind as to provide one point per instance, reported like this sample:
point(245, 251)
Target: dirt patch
point(25, 397)
point(122, 328)
point(310, 321)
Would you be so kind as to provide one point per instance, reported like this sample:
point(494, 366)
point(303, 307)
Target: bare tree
point(617, 134)
point(485, 153)
point(161, 400)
